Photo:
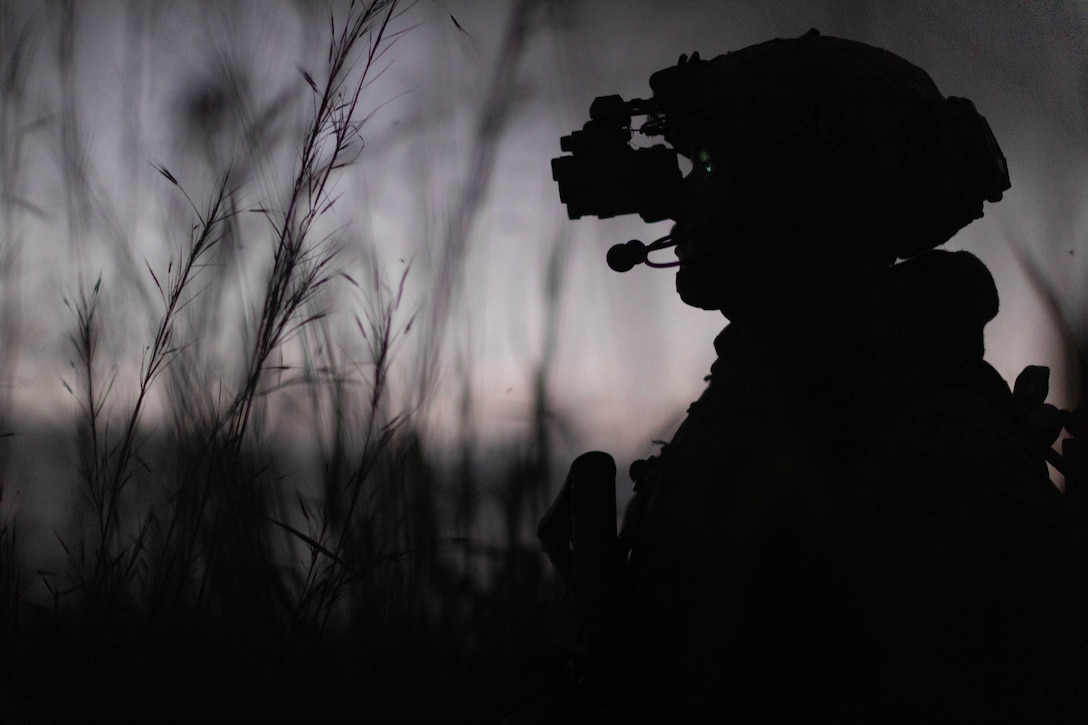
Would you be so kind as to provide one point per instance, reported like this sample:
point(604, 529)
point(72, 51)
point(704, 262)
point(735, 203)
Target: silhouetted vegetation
point(260, 525)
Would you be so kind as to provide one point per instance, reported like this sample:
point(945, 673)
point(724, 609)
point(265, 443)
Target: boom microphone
point(623, 257)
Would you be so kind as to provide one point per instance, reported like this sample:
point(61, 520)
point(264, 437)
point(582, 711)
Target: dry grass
point(210, 571)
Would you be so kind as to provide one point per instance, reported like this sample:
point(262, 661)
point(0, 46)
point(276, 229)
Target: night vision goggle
point(605, 176)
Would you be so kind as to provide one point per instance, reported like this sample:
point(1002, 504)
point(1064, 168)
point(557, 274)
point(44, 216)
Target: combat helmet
point(820, 131)
point(838, 128)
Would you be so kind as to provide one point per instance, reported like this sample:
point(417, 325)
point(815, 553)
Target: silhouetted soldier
point(855, 521)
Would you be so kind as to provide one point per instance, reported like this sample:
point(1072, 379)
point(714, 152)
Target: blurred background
point(458, 327)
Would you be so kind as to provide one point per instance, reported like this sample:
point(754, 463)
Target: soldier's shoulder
point(955, 437)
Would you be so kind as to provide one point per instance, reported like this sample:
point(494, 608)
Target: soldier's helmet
point(827, 131)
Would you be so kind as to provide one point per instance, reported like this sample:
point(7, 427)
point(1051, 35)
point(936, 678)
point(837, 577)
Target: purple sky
point(628, 356)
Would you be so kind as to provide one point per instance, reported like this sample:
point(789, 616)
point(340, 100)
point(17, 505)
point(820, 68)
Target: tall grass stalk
point(205, 538)
point(219, 492)
point(18, 46)
point(340, 540)
point(19, 42)
point(303, 262)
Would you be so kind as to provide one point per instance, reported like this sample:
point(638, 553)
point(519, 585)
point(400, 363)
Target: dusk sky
point(628, 356)
point(288, 384)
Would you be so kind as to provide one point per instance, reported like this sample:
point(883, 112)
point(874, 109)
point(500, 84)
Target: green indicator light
point(702, 157)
